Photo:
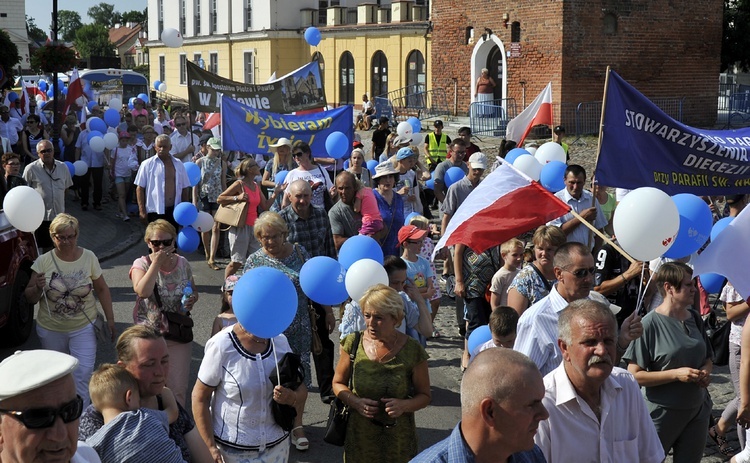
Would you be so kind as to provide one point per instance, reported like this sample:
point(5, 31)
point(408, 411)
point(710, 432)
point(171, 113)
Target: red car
point(17, 252)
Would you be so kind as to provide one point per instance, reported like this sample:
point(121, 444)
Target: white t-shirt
point(317, 175)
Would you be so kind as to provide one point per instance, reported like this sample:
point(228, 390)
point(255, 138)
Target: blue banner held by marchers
point(643, 146)
point(251, 130)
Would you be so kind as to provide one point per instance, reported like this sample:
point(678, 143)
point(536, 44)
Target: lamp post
point(56, 120)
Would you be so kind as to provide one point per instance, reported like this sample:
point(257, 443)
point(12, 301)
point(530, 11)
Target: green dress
point(367, 441)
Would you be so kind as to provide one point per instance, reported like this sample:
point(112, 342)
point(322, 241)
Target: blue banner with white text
point(251, 130)
point(643, 146)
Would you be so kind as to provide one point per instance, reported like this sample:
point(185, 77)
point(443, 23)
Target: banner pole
point(602, 236)
point(599, 140)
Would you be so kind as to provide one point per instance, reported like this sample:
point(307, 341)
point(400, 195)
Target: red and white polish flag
point(537, 113)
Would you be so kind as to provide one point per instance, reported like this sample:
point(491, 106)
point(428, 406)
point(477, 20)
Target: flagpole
point(601, 235)
point(599, 142)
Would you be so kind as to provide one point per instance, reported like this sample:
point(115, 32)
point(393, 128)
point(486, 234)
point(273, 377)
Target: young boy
point(418, 268)
point(512, 254)
point(503, 324)
point(130, 434)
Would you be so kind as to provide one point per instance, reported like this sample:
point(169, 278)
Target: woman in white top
point(312, 173)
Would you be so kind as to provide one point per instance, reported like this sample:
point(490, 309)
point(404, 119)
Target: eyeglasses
point(268, 238)
point(582, 273)
point(48, 150)
point(157, 243)
point(297, 154)
point(41, 418)
point(65, 237)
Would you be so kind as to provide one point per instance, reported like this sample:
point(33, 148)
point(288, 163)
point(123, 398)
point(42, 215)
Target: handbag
point(174, 326)
point(327, 200)
point(719, 338)
point(316, 346)
point(234, 214)
point(292, 374)
point(338, 416)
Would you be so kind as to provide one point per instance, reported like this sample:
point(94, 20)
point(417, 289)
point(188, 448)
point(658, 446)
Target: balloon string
point(276, 359)
point(641, 289)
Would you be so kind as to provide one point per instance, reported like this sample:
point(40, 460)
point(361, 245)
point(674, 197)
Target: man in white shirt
point(10, 128)
point(596, 411)
point(583, 203)
point(185, 144)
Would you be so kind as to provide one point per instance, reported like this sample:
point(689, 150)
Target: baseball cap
point(731, 199)
point(123, 134)
point(478, 161)
point(438, 123)
point(357, 144)
point(204, 138)
point(27, 370)
point(410, 232)
point(404, 153)
point(281, 142)
point(215, 143)
point(559, 129)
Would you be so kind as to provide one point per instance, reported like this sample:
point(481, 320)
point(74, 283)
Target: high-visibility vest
point(438, 150)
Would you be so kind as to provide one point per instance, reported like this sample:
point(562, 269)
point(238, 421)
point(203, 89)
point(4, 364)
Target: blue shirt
point(453, 449)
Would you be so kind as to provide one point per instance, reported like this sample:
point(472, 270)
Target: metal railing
point(414, 101)
point(490, 118)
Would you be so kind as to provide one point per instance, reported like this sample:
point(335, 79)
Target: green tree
point(105, 14)
point(9, 56)
point(68, 22)
point(33, 31)
point(93, 40)
point(138, 17)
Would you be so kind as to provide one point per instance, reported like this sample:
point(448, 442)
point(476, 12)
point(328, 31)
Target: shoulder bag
point(327, 200)
point(338, 416)
point(233, 214)
point(292, 374)
point(175, 326)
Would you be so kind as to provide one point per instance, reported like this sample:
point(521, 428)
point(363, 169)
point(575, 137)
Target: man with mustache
point(596, 410)
point(537, 328)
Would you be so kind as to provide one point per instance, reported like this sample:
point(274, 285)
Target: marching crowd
point(546, 384)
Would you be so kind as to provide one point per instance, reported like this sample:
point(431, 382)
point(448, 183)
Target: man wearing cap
point(436, 145)
point(596, 410)
point(380, 137)
point(557, 136)
point(39, 409)
point(10, 128)
point(203, 142)
point(185, 144)
point(345, 223)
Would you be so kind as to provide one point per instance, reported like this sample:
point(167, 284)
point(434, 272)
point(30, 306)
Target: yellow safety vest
point(437, 150)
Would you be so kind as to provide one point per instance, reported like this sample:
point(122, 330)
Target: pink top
point(253, 197)
point(138, 112)
point(369, 209)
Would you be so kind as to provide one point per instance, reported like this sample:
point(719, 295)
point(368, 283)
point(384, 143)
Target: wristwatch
point(235, 197)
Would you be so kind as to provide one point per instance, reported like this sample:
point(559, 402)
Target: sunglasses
point(297, 154)
point(41, 418)
point(582, 273)
point(157, 243)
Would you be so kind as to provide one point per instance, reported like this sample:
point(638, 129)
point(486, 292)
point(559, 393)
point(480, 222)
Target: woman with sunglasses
point(159, 281)
point(309, 171)
point(64, 282)
point(32, 134)
point(671, 361)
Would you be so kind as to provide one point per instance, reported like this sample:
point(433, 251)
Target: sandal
point(213, 265)
point(721, 442)
point(300, 443)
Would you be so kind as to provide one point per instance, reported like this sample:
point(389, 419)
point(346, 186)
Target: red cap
point(410, 232)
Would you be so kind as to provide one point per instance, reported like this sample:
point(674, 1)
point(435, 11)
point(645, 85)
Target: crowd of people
point(570, 354)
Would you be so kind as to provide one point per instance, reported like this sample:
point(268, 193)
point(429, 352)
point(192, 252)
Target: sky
point(41, 10)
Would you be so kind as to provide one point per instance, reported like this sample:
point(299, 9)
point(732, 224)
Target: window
point(317, 56)
point(610, 24)
point(515, 32)
point(213, 63)
point(213, 18)
point(322, 10)
point(161, 16)
point(197, 59)
point(183, 69)
point(248, 15)
point(346, 79)
point(162, 68)
point(249, 67)
point(197, 11)
point(183, 26)
point(378, 74)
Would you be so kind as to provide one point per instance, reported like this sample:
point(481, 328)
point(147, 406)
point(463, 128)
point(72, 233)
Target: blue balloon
point(131, 100)
point(64, 90)
point(346, 165)
point(253, 293)
point(371, 165)
point(337, 145)
point(12, 97)
point(695, 225)
point(514, 153)
point(552, 176)
point(97, 124)
point(430, 184)
point(312, 36)
point(712, 282)
point(415, 123)
point(51, 93)
point(60, 83)
point(156, 84)
point(408, 218)
point(112, 117)
point(280, 177)
point(322, 280)
point(478, 337)
point(360, 247)
point(131, 106)
point(90, 105)
point(71, 168)
point(143, 97)
point(453, 175)
point(92, 134)
point(720, 226)
point(188, 239)
point(193, 173)
point(42, 84)
point(185, 213)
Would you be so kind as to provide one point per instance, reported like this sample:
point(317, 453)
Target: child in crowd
point(418, 268)
point(226, 317)
point(123, 160)
point(428, 246)
point(366, 204)
point(512, 254)
point(503, 324)
point(130, 433)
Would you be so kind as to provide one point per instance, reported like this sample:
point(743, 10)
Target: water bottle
point(186, 293)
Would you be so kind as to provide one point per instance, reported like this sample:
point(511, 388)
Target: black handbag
point(338, 416)
point(174, 326)
point(292, 374)
point(720, 343)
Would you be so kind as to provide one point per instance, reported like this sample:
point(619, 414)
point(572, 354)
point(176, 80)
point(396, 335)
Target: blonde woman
point(213, 182)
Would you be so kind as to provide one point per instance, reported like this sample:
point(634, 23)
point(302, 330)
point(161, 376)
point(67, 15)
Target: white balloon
point(203, 222)
point(362, 275)
point(39, 98)
point(646, 223)
point(417, 139)
point(110, 140)
point(115, 103)
point(162, 87)
point(81, 168)
point(404, 129)
point(24, 208)
point(531, 149)
point(550, 151)
point(97, 144)
point(528, 164)
point(171, 38)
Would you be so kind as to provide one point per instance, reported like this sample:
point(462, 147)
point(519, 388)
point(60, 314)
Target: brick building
point(665, 49)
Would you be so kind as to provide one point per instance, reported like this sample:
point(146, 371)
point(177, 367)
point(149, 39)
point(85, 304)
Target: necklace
point(252, 336)
point(374, 350)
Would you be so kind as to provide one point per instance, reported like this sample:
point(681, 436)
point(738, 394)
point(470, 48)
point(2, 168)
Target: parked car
point(18, 251)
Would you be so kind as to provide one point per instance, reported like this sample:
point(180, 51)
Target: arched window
point(378, 74)
point(515, 32)
point(346, 79)
point(318, 56)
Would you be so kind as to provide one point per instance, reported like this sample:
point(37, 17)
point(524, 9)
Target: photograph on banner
point(252, 130)
point(300, 90)
point(643, 146)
